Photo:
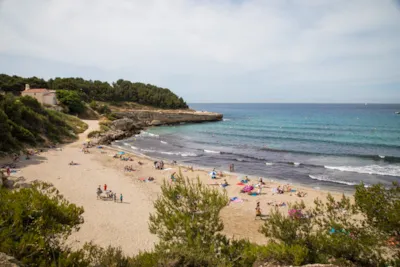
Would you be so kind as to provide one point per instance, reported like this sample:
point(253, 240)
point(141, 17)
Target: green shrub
point(72, 100)
point(24, 121)
point(94, 134)
point(34, 222)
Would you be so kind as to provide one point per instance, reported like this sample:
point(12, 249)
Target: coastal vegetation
point(35, 221)
point(25, 122)
point(88, 90)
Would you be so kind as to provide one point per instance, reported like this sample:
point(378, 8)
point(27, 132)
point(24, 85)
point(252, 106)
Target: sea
point(324, 146)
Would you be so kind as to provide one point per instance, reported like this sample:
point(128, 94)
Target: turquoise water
point(319, 144)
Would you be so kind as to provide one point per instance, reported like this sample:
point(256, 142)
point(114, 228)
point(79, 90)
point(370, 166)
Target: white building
point(43, 96)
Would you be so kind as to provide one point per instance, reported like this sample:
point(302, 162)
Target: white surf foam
point(327, 179)
point(212, 151)
point(147, 150)
point(389, 170)
point(296, 164)
point(269, 163)
point(133, 147)
point(382, 157)
point(226, 119)
point(163, 142)
point(144, 133)
point(189, 154)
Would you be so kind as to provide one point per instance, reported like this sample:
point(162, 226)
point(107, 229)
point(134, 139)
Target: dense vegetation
point(121, 90)
point(23, 121)
point(33, 222)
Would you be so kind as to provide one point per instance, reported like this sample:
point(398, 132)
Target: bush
point(24, 121)
point(72, 100)
point(34, 222)
point(94, 134)
point(331, 230)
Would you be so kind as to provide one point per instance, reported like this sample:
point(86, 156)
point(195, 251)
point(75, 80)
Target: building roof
point(37, 90)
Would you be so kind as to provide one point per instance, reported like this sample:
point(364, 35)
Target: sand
point(126, 224)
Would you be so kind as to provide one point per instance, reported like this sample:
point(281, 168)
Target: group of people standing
point(109, 194)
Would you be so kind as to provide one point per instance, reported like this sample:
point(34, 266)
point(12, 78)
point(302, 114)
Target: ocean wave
point(296, 163)
point(148, 150)
point(144, 133)
point(226, 119)
point(163, 142)
point(389, 170)
point(325, 178)
point(389, 159)
point(133, 147)
point(188, 154)
point(307, 138)
point(269, 163)
point(242, 160)
point(212, 151)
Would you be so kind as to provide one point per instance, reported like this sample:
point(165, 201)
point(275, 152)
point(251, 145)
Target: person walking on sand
point(115, 197)
point(105, 187)
point(8, 170)
point(121, 198)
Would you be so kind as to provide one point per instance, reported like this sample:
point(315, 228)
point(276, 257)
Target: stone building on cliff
point(42, 95)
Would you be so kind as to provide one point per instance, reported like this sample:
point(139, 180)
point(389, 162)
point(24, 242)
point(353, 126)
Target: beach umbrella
point(121, 153)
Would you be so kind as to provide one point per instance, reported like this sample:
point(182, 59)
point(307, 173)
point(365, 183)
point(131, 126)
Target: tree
point(34, 223)
point(72, 100)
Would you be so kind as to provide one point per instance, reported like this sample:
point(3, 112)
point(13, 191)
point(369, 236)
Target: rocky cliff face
point(133, 121)
point(162, 117)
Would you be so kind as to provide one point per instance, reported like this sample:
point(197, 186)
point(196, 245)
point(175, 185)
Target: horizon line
point(309, 103)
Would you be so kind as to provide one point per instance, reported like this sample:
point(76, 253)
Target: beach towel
point(247, 188)
point(240, 183)
point(293, 190)
point(274, 190)
point(238, 200)
point(254, 194)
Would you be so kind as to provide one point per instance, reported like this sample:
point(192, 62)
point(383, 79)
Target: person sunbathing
point(301, 194)
point(73, 163)
point(140, 163)
point(279, 190)
point(225, 183)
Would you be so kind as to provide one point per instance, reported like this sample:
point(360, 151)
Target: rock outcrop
point(120, 129)
point(8, 261)
point(162, 117)
point(133, 121)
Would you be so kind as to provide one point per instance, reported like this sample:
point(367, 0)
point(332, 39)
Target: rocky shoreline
point(129, 123)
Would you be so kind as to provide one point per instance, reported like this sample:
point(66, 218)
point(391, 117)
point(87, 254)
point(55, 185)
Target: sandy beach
point(126, 224)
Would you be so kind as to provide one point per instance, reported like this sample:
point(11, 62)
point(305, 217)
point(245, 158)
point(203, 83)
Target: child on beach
point(121, 198)
point(105, 187)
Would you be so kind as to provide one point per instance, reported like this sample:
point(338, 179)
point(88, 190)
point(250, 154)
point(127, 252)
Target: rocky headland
point(131, 122)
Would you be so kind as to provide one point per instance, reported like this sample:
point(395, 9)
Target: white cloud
point(205, 49)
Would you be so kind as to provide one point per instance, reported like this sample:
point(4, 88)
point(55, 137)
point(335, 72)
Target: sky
point(312, 51)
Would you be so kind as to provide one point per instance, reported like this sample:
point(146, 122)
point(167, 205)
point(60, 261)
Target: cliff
point(162, 117)
point(131, 122)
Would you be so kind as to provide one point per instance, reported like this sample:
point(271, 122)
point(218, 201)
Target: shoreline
point(126, 225)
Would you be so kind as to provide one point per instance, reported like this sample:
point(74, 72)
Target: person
point(8, 170)
point(105, 187)
point(232, 168)
point(261, 181)
point(121, 197)
point(225, 183)
point(99, 191)
point(191, 168)
point(259, 190)
point(258, 210)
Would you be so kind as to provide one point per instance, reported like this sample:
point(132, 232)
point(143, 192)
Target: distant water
point(322, 145)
